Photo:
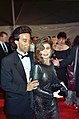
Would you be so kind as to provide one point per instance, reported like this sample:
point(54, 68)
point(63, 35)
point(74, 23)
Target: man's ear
point(16, 42)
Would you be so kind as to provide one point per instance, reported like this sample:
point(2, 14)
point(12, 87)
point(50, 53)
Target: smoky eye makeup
point(47, 47)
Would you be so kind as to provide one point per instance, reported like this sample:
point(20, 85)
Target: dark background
point(36, 12)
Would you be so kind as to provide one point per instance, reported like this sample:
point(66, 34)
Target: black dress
point(61, 72)
point(46, 106)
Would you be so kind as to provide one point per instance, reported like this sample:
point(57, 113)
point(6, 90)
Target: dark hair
point(35, 37)
point(76, 41)
point(19, 30)
point(12, 44)
point(68, 42)
point(2, 33)
point(61, 35)
point(40, 47)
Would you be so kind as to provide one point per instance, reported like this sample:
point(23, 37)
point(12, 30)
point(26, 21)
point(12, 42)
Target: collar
point(23, 54)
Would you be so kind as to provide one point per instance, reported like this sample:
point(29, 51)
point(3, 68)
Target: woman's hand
point(55, 94)
point(56, 62)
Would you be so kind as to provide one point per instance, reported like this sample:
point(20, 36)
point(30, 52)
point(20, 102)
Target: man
point(4, 36)
point(4, 49)
point(5, 41)
point(4, 45)
point(16, 71)
point(34, 41)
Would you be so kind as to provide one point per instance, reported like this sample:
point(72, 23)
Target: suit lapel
point(32, 62)
point(19, 66)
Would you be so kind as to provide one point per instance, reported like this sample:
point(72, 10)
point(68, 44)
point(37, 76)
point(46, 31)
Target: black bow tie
point(22, 56)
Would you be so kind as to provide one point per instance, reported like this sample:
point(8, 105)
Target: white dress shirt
point(26, 64)
point(4, 47)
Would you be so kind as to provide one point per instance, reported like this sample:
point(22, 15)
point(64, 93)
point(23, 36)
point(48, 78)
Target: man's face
point(24, 42)
point(35, 40)
point(4, 38)
point(1, 38)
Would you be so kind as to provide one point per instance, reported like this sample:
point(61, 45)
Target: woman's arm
point(69, 59)
point(37, 75)
point(66, 61)
point(58, 86)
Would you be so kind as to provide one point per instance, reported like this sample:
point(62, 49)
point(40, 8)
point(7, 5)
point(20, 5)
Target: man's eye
point(24, 40)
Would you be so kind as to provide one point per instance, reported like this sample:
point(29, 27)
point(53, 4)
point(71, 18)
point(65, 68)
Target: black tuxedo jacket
point(2, 55)
point(14, 83)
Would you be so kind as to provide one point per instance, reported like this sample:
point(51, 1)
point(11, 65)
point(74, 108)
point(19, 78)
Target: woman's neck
point(61, 47)
point(47, 61)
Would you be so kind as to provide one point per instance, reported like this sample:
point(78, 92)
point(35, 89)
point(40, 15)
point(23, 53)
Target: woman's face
point(61, 41)
point(46, 53)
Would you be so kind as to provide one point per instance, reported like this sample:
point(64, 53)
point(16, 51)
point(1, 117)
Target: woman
point(61, 51)
point(46, 106)
point(66, 62)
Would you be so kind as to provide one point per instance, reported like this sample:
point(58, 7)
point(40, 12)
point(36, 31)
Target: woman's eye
point(47, 48)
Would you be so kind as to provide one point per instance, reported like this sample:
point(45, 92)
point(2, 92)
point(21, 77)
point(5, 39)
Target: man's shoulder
point(30, 52)
point(11, 56)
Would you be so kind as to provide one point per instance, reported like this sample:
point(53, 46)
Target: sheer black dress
point(61, 72)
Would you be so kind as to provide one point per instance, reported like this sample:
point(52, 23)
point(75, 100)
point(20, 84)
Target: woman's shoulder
point(63, 48)
point(37, 65)
point(66, 47)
